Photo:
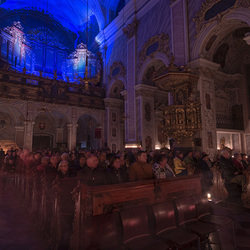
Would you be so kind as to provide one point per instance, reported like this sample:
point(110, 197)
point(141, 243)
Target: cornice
point(202, 62)
point(133, 9)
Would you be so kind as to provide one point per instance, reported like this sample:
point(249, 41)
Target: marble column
point(28, 134)
point(72, 131)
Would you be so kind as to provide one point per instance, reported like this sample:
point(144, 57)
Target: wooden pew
point(62, 213)
point(95, 200)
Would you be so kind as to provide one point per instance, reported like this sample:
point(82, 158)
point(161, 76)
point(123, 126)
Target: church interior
point(116, 79)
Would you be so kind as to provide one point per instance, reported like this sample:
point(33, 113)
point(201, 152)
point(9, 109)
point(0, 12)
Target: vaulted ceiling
point(72, 14)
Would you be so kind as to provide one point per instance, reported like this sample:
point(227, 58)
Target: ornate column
point(206, 71)
point(19, 136)
point(114, 120)
point(28, 134)
point(59, 135)
point(72, 130)
point(130, 125)
point(145, 119)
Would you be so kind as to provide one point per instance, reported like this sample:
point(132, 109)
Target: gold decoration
point(199, 18)
point(163, 47)
point(183, 118)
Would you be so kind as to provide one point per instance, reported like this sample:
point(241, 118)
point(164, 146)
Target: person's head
point(38, 155)
point(115, 162)
point(102, 156)
point(197, 154)
point(179, 154)
point(190, 154)
point(142, 156)
point(63, 167)
point(244, 157)
point(237, 157)
point(205, 157)
point(88, 154)
point(225, 154)
point(92, 161)
point(45, 161)
point(122, 161)
point(82, 160)
point(54, 160)
point(162, 160)
point(65, 157)
point(72, 157)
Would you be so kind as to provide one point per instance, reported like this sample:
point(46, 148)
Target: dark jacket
point(228, 169)
point(92, 177)
point(116, 176)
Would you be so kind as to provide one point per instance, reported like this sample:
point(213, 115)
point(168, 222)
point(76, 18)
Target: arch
point(238, 18)
point(16, 113)
point(53, 112)
point(113, 81)
point(157, 56)
point(86, 137)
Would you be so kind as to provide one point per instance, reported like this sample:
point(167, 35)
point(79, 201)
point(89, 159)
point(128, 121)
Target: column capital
point(131, 28)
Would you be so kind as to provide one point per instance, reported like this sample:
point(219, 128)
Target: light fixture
point(209, 197)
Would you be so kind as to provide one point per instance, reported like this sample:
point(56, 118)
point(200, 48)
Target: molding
point(201, 62)
point(114, 30)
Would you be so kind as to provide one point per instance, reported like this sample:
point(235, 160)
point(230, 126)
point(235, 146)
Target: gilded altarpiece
point(181, 119)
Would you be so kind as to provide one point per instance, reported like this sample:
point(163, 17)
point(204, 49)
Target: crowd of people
point(105, 168)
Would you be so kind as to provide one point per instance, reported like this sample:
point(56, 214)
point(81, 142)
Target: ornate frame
point(199, 19)
point(163, 47)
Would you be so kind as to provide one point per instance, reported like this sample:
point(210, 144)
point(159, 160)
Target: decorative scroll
point(130, 30)
point(158, 43)
point(117, 69)
point(216, 9)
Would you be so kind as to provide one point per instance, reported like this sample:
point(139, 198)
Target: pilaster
point(28, 134)
point(130, 125)
point(72, 131)
point(115, 123)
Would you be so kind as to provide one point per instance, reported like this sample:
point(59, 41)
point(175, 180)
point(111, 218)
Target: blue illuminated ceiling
point(72, 14)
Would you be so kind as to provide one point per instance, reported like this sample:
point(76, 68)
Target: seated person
point(116, 174)
point(229, 172)
point(64, 171)
point(141, 170)
point(244, 161)
point(179, 165)
point(161, 168)
point(92, 174)
point(238, 164)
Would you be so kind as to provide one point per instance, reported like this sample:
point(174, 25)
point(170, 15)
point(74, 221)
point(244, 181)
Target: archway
point(88, 132)
point(50, 130)
point(225, 43)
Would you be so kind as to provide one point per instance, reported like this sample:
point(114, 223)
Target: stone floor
point(17, 231)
